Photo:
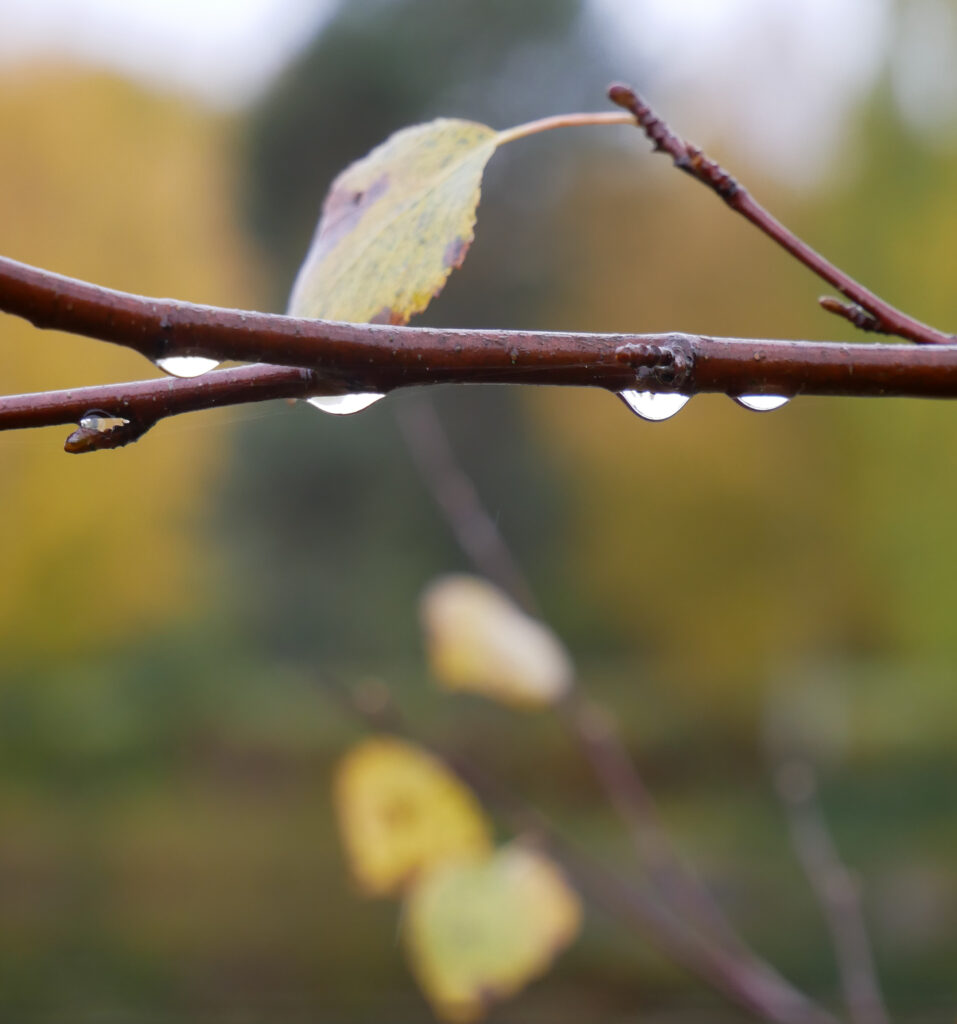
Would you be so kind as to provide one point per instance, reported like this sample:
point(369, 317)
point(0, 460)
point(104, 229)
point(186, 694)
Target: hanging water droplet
point(101, 422)
point(345, 405)
point(654, 405)
point(761, 403)
point(187, 366)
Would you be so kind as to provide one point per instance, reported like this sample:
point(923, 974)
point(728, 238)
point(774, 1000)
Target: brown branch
point(836, 891)
point(375, 357)
point(369, 357)
point(143, 404)
point(883, 317)
point(365, 357)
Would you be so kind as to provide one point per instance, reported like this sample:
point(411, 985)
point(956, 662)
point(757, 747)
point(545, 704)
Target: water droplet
point(187, 366)
point(345, 405)
point(654, 405)
point(762, 403)
point(101, 422)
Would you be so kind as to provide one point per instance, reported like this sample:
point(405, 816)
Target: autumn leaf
point(479, 640)
point(478, 931)
point(395, 224)
point(401, 811)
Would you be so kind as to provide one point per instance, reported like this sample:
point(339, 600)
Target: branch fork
point(294, 358)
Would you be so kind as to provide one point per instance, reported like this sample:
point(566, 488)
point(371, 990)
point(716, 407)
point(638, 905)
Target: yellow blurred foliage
point(479, 640)
point(401, 811)
point(102, 181)
point(478, 931)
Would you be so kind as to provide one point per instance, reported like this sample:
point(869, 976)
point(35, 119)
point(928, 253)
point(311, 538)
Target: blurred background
point(169, 612)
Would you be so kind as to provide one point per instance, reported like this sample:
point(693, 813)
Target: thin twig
point(690, 159)
point(144, 403)
point(631, 798)
point(837, 892)
point(458, 500)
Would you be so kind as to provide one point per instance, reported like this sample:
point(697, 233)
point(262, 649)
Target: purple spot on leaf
point(387, 315)
point(455, 251)
point(344, 208)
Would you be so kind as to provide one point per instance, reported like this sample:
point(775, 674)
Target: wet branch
point(314, 357)
point(864, 310)
point(345, 357)
point(142, 404)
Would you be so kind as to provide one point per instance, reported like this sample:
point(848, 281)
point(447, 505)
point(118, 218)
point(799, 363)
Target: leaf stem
point(546, 124)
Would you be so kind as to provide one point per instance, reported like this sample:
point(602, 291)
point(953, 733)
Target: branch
point(367, 357)
point(372, 357)
point(143, 404)
point(836, 891)
point(866, 311)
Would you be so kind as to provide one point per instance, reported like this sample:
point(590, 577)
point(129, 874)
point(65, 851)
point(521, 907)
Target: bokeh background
point(169, 612)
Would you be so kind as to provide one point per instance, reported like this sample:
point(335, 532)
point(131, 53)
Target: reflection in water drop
point(344, 405)
point(653, 405)
point(100, 422)
point(762, 403)
point(187, 366)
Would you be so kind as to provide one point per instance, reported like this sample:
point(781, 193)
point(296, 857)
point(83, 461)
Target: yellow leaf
point(395, 224)
point(400, 811)
point(478, 931)
point(479, 640)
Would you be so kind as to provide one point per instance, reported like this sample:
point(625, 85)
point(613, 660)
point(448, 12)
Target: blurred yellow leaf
point(479, 640)
point(478, 931)
point(401, 811)
point(395, 224)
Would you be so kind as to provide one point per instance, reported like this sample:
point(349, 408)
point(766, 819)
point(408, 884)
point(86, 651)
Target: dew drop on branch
point(654, 405)
point(101, 422)
point(186, 366)
point(344, 405)
point(761, 403)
